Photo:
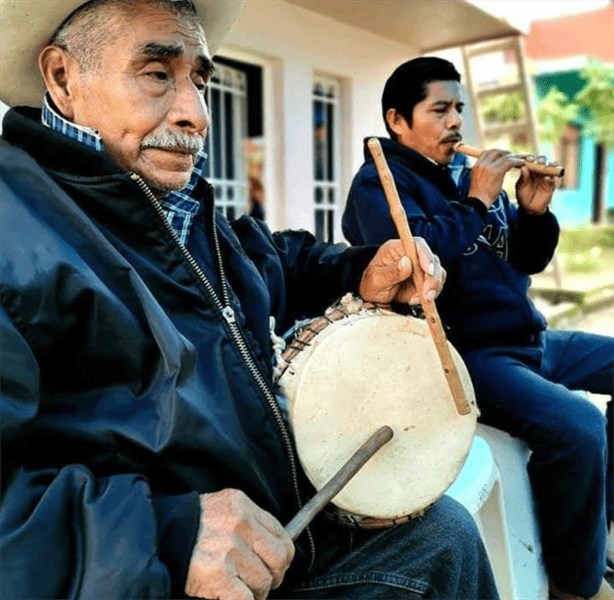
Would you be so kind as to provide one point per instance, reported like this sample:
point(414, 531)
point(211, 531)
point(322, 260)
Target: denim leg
point(567, 436)
point(439, 555)
point(585, 361)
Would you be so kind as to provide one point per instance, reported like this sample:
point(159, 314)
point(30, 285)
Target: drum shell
point(370, 369)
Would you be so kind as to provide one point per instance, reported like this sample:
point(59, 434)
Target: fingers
point(277, 551)
point(535, 178)
point(499, 159)
point(434, 273)
point(387, 277)
point(488, 172)
point(241, 551)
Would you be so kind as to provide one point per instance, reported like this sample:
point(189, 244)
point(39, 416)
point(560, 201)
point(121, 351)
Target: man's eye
point(158, 75)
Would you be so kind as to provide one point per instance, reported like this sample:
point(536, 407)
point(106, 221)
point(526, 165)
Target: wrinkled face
point(436, 122)
point(147, 99)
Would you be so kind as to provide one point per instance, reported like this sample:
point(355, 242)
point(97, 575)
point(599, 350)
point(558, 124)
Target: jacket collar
point(68, 159)
point(54, 151)
point(439, 175)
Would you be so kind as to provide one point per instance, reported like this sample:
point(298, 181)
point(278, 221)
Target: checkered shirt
point(179, 207)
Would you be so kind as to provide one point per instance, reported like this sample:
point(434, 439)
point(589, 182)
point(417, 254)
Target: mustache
point(454, 137)
point(171, 140)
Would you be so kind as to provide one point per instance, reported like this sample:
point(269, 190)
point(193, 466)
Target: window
point(225, 167)
point(326, 167)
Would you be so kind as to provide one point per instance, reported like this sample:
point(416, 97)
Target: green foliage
point(586, 237)
point(597, 98)
point(503, 108)
point(587, 249)
point(594, 102)
point(554, 113)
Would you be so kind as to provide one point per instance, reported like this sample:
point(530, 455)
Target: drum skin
point(371, 369)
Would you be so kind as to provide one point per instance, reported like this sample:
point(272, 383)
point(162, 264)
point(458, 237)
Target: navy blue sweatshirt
point(488, 253)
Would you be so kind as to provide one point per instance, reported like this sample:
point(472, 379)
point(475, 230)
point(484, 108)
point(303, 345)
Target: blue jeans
point(438, 555)
point(524, 390)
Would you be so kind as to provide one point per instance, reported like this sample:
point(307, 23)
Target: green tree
point(554, 113)
point(596, 99)
point(503, 108)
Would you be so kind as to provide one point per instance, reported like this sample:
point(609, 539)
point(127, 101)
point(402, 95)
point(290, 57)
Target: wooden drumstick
point(338, 481)
point(535, 167)
point(430, 310)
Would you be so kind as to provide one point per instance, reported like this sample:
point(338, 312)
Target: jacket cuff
point(360, 257)
point(178, 518)
point(477, 204)
point(543, 225)
point(527, 215)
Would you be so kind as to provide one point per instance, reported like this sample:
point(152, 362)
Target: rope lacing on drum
point(279, 345)
point(347, 306)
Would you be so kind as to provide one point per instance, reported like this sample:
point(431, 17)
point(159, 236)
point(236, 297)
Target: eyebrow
point(447, 103)
point(156, 50)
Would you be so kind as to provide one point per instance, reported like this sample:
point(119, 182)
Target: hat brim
point(27, 26)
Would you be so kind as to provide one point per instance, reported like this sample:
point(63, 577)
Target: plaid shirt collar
point(52, 119)
point(179, 206)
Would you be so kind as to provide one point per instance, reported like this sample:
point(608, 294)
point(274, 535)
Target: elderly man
point(522, 372)
point(143, 450)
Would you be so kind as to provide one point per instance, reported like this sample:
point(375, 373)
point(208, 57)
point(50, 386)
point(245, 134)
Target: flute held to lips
point(554, 171)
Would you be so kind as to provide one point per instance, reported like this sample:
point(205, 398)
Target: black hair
point(408, 85)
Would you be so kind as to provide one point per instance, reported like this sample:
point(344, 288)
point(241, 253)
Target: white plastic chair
point(494, 487)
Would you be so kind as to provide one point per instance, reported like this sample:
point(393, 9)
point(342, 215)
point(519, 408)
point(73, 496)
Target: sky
point(523, 12)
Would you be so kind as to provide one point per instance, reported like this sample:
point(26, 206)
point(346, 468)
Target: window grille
point(225, 167)
point(326, 161)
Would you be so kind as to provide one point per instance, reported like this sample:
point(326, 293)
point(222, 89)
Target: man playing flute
point(522, 372)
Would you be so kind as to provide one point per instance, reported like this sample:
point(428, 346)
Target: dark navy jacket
point(488, 255)
point(127, 388)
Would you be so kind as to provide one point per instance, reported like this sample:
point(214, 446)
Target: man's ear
point(396, 121)
point(58, 70)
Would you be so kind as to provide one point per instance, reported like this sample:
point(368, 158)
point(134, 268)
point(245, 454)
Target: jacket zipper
point(227, 312)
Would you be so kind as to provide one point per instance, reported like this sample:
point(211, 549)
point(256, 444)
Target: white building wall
point(296, 43)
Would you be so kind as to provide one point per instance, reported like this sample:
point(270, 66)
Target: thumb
point(404, 267)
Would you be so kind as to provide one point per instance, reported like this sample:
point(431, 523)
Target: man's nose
point(455, 120)
point(189, 110)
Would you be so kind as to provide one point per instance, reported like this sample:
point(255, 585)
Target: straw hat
point(26, 26)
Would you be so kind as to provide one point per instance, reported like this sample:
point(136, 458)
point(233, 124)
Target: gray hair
point(95, 24)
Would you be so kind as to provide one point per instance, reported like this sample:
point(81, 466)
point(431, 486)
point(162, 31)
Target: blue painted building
point(575, 202)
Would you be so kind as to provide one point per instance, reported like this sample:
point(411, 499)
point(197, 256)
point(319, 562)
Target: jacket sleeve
point(303, 276)
point(533, 239)
point(66, 533)
point(449, 228)
point(317, 274)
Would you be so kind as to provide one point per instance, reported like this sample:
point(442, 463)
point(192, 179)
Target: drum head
point(360, 374)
